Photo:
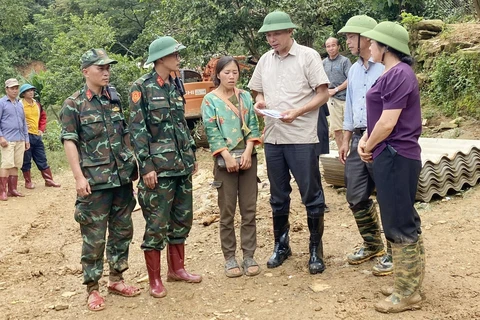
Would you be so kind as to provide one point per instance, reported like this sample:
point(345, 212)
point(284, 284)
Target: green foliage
point(51, 137)
point(56, 160)
point(6, 66)
point(391, 9)
point(13, 14)
point(123, 74)
point(128, 17)
point(57, 32)
point(409, 20)
point(454, 83)
point(75, 35)
point(207, 27)
point(63, 76)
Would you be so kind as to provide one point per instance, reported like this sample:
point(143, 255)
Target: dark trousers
point(358, 178)
point(302, 161)
point(36, 152)
point(102, 210)
point(396, 178)
point(241, 185)
point(322, 130)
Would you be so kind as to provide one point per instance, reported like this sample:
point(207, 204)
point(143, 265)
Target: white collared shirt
point(290, 82)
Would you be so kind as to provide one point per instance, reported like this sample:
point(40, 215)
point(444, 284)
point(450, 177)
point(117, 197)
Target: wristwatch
point(336, 89)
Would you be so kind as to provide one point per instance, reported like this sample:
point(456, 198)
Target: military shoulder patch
point(136, 95)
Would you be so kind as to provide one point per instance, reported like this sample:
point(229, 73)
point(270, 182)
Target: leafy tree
point(13, 14)
point(127, 17)
point(63, 76)
point(6, 66)
point(391, 9)
point(124, 73)
point(220, 26)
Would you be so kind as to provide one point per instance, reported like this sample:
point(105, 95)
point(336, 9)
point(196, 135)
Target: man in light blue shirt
point(358, 174)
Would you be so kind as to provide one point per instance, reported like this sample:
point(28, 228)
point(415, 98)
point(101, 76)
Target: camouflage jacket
point(159, 131)
point(97, 126)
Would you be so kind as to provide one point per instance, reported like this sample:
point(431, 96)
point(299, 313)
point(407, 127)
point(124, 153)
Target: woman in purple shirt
point(391, 142)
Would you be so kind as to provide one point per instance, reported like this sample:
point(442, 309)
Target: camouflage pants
point(101, 210)
point(168, 212)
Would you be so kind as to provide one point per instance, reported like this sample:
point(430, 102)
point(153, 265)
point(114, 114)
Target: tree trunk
point(476, 5)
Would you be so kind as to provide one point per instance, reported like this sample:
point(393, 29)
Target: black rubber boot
point(316, 264)
point(282, 250)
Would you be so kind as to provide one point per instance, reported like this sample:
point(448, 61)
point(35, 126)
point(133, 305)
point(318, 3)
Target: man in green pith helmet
point(358, 174)
point(165, 151)
point(97, 147)
point(290, 79)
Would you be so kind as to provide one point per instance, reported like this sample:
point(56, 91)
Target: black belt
point(359, 131)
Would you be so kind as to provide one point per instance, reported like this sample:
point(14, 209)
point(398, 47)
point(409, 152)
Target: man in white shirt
point(290, 79)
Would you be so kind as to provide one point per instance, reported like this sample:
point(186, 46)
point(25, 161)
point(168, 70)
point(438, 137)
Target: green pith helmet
point(277, 20)
point(162, 47)
point(390, 34)
point(24, 88)
point(358, 24)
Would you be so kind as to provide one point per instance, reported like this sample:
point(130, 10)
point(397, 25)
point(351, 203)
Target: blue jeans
point(302, 161)
point(37, 152)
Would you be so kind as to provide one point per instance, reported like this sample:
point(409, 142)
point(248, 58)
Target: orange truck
point(195, 90)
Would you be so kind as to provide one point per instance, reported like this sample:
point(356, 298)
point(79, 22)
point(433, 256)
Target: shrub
point(454, 83)
point(409, 20)
point(51, 137)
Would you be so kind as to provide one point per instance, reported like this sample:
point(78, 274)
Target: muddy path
point(40, 273)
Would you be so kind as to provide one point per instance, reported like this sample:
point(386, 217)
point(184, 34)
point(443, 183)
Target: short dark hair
point(221, 63)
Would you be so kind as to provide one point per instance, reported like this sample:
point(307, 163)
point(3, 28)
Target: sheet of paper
point(271, 113)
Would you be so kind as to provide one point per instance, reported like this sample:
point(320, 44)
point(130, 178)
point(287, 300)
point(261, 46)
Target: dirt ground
point(40, 273)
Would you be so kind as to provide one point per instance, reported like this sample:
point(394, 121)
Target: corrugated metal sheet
point(446, 164)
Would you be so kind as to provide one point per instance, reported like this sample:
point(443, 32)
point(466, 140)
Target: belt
point(359, 131)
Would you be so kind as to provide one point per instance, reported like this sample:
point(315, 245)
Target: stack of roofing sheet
point(446, 164)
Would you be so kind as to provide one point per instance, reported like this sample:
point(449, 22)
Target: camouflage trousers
point(101, 210)
point(168, 212)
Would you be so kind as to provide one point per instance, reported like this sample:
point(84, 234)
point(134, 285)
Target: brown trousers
point(242, 184)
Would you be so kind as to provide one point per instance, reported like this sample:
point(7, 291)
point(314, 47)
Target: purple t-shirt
point(397, 89)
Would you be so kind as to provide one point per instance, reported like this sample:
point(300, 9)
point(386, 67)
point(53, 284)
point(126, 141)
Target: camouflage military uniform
point(162, 143)
point(97, 126)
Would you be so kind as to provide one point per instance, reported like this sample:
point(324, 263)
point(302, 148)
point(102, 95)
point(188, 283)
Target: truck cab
point(195, 90)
